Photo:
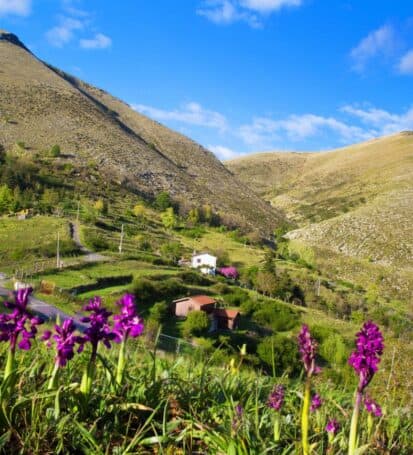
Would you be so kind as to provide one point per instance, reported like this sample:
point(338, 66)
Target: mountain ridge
point(41, 105)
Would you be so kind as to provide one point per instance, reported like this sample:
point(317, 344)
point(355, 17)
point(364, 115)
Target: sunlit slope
point(41, 106)
point(356, 200)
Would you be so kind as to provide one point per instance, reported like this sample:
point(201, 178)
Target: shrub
point(172, 251)
point(55, 151)
point(195, 324)
point(163, 200)
point(236, 297)
point(159, 311)
point(279, 354)
point(149, 291)
point(276, 317)
point(196, 278)
point(334, 349)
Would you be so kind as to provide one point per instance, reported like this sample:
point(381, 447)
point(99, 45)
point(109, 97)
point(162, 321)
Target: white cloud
point(223, 153)
point(225, 12)
point(64, 32)
point(382, 121)
point(378, 43)
point(406, 63)
point(268, 6)
point(250, 11)
point(191, 113)
point(15, 7)
point(100, 41)
point(263, 132)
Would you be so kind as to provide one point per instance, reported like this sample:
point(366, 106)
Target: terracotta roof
point(223, 313)
point(198, 299)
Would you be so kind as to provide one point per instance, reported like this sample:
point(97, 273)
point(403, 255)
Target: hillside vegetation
point(355, 201)
point(41, 106)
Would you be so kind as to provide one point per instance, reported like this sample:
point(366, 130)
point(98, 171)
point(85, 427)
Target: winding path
point(46, 310)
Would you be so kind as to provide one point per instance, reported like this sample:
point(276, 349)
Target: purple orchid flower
point(308, 348)
point(366, 357)
point(19, 322)
point(372, 407)
point(276, 398)
point(316, 402)
point(333, 426)
point(99, 329)
point(65, 341)
point(128, 322)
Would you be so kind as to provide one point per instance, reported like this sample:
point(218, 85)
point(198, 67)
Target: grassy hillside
point(41, 106)
point(354, 201)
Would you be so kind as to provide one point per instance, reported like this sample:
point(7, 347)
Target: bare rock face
point(41, 106)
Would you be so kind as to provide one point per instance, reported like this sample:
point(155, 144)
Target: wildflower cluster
point(99, 328)
point(308, 349)
point(19, 322)
point(65, 341)
point(366, 357)
point(127, 323)
point(276, 398)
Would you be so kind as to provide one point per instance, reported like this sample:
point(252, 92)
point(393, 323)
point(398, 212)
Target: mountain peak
point(11, 38)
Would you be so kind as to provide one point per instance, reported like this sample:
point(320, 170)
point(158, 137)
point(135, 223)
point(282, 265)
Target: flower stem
point(9, 365)
point(352, 446)
point(53, 378)
point(121, 362)
point(87, 378)
point(277, 428)
point(304, 417)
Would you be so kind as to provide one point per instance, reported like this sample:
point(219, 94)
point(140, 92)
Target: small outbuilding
point(205, 262)
point(181, 307)
point(226, 319)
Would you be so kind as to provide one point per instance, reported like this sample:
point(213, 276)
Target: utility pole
point(77, 213)
point(58, 251)
point(121, 240)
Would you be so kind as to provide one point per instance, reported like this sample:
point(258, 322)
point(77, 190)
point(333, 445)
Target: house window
point(198, 260)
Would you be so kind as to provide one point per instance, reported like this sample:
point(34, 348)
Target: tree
point(266, 282)
point(193, 217)
point(169, 219)
point(55, 151)
point(2, 154)
point(207, 213)
point(195, 324)
point(139, 211)
point(6, 199)
point(159, 311)
point(269, 262)
point(172, 251)
point(101, 206)
point(163, 200)
point(49, 199)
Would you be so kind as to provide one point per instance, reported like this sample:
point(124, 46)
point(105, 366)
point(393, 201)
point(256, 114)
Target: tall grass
point(183, 405)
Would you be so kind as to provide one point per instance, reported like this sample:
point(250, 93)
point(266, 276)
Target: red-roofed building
point(226, 319)
point(181, 307)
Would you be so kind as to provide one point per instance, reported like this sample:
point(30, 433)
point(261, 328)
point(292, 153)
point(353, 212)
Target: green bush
point(334, 350)
point(196, 324)
point(159, 311)
point(149, 291)
point(194, 278)
point(279, 354)
point(276, 317)
point(55, 151)
point(236, 297)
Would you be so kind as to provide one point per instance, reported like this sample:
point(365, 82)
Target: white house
point(205, 262)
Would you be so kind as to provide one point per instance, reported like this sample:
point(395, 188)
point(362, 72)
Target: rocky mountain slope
point(356, 201)
point(41, 106)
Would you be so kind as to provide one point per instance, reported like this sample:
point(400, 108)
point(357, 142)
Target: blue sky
point(238, 76)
